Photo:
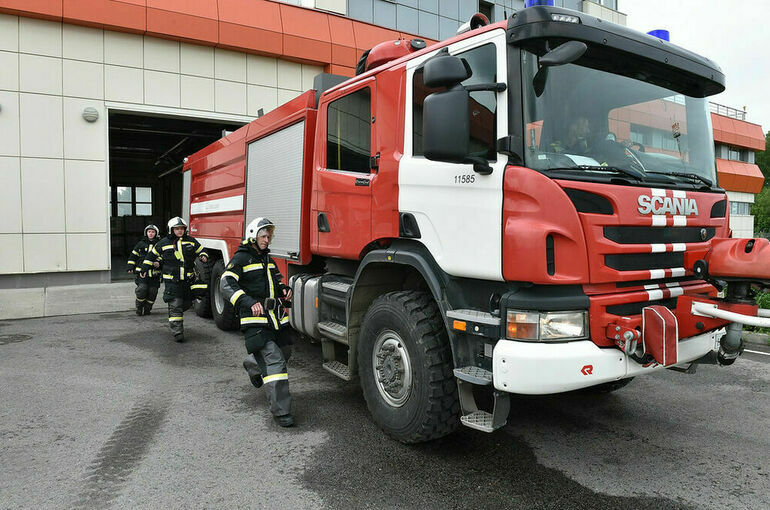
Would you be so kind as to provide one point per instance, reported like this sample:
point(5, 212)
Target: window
point(132, 201)
point(740, 208)
point(125, 197)
point(483, 104)
point(487, 10)
point(349, 131)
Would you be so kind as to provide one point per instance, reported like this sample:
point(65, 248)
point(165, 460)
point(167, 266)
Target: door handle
point(323, 223)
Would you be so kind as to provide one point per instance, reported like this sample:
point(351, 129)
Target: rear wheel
point(202, 305)
point(405, 365)
point(223, 311)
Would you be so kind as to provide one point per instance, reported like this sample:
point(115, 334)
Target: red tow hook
point(626, 338)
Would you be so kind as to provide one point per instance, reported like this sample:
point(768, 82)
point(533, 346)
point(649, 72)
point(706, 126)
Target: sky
point(733, 33)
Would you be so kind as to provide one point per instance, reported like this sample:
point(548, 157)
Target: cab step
point(334, 331)
point(479, 420)
point(341, 370)
point(474, 375)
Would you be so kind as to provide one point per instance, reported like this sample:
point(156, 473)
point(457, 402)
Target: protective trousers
point(145, 297)
point(272, 359)
point(176, 308)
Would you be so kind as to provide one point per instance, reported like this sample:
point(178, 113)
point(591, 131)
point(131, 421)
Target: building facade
point(100, 101)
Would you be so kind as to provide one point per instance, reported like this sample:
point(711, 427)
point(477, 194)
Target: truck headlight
point(546, 326)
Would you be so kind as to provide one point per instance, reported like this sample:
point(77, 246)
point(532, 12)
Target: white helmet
point(253, 228)
point(176, 222)
point(151, 227)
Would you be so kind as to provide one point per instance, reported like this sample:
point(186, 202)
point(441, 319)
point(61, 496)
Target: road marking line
point(757, 352)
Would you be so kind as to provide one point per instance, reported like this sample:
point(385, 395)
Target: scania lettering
point(529, 207)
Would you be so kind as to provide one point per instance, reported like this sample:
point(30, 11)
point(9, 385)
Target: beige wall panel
point(289, 75)
point(161, 55)
point(339, 6)
point(41, 126)
point(262, 97)
point(197, 93)
point(286, 95)
point(87, 252)
point(262, 70)
point(9, 70)
point(230, 97)
point(9, 123)
point(12, 260)
point(82, 43)
point(82, 139)
point(123, 49)
point(229, 65)
point(10, 196)
point(83, 79)
point(85, 179)
point(308, 74)
point(42, 195)
point(124, 84)
point(41, 75)
point(40, 37)
point(161, 88)
point(44, 252)
point(9, 33)
point(197, 60)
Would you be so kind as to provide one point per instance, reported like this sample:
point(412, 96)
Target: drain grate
point(13, 339)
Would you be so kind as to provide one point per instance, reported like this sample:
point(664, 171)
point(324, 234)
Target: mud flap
point(660, 334)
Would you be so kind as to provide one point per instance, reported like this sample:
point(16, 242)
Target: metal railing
point(727, 111)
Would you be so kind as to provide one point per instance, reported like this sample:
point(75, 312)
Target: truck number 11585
point(465, 179)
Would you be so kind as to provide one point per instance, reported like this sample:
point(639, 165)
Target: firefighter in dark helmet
point(176, 253)
point(147, 278)
point(253, 285)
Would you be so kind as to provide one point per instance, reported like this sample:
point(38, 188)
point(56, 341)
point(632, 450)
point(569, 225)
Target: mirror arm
point(480, 165)
point(494, 87)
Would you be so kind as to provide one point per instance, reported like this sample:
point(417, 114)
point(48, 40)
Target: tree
point(761, 207)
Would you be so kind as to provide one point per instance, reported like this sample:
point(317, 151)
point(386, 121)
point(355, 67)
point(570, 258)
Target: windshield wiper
point(686, 175)
point(625, 171)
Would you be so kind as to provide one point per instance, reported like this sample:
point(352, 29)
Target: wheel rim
point(392, 368)
point(219, 301)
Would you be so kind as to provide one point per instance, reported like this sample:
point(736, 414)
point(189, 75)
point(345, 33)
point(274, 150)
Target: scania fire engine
point(531, 206)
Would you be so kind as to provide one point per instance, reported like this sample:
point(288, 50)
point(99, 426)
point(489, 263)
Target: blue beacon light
point(660, 34)
point(532, 3)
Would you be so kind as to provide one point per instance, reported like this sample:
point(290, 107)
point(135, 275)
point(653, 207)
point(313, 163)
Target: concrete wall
point(54, 165)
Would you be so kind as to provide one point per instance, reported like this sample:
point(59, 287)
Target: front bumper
point(534, 368)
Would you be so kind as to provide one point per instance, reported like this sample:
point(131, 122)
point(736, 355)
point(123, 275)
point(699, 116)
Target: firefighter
point(176, 254)
point(253, 285)
point(147, 279)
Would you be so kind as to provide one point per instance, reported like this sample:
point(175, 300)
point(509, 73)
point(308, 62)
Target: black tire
point(406, 328)
point(224, 313)
point(202, 305)
point(608, 387)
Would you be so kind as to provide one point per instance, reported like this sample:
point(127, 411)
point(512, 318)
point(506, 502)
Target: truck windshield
point(588, 124)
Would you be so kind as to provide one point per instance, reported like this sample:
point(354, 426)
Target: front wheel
point(224, 313)
point(405, 365)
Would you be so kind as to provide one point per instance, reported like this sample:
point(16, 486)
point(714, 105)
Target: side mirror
point(445, 71)
point(446, 126)
point(566, 53)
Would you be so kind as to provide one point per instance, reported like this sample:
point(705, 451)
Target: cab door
point(342, 201)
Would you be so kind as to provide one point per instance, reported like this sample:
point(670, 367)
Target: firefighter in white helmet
point(176, 253)
point(253, 285)
point(147, 279)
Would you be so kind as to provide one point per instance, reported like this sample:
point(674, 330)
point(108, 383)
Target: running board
point(341, 370)
point(334, 331)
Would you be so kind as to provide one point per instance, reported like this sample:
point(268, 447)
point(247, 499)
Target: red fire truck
point(531, 206)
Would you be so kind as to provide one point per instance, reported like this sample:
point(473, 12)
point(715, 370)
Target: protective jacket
point(136, 259)
point(252, 277)
point(177, 257)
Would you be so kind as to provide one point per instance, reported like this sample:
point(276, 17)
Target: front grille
point(642, 261)
point(657, 235)
point(629, 309)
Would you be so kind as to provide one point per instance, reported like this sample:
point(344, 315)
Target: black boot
point(179, 337)
point(139, 307)
point(147, 308)
point(285, 420)
point(252, 368)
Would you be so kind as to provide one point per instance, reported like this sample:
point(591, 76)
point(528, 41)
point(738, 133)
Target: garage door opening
point(146, 157)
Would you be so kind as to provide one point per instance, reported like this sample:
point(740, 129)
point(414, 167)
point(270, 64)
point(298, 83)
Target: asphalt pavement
point(105, 410)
